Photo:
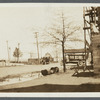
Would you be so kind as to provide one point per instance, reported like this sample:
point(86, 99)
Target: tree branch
point(72, 32)
point(75, 39)
point(55, 37)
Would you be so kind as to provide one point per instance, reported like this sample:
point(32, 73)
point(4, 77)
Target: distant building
point(46, 59)
point(2, 62)
point(32, 61)
point(48, 55)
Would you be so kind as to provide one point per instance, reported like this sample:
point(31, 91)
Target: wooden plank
point(96, 61)
point(96, 64)
point(95, 38)
point(96, 67)
point(96, 46)
point(94, 49)
point(86, 28)
point(96, 41)
point(97, 71)
point(98, 13)
point(87, 14)
point(96, 57)
point(75, 51)
point(96, 53)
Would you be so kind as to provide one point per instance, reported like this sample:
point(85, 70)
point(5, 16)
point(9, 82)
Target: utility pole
point(36, 36)
point(41, 51)
point(18, 51)
point(8, 53)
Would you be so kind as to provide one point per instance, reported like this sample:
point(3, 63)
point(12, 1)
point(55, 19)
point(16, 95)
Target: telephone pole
point(18, 51)
point(8, 53)
point(36, 36)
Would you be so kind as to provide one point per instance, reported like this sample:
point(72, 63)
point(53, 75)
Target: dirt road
point(60, 82)
point(13, 70)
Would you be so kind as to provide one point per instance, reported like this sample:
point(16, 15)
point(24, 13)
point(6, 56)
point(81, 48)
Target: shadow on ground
point(85, 74)
point(57, 88)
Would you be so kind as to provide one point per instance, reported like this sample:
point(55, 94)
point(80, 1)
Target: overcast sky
point(17, 25)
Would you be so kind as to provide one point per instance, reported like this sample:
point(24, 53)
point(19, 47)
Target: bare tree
point(62, 32)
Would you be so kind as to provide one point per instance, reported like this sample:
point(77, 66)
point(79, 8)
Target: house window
point(71, 57)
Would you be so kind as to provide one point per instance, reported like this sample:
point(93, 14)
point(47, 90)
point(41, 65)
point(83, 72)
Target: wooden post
point(84, 35)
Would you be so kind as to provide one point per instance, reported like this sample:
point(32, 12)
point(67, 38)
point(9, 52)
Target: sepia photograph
point(49, 48)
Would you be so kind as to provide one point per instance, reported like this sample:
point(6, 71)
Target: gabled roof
point(48, 55)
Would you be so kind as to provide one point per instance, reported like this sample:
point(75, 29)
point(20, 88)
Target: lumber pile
point(96, 53)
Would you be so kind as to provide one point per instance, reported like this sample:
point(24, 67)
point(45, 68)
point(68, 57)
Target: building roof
point(48, 55)
point(75, 51)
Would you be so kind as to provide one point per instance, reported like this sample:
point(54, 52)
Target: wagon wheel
point(57, 69)
point(81, 63)
point(52, 70)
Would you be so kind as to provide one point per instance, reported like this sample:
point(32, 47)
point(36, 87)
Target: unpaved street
point(14, 70)
point(59, 82)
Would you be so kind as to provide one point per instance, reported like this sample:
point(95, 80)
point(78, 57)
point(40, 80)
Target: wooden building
point(32, 61)
point(96, 53)
point(92, 27)
point(2, 63)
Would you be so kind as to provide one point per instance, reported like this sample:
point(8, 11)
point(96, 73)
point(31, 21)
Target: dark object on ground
point(84, 74)
point(54, 70)
point(82, 68)
point(45, 60)
point(57, 69)
point(44, 72)
point(51, 71)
